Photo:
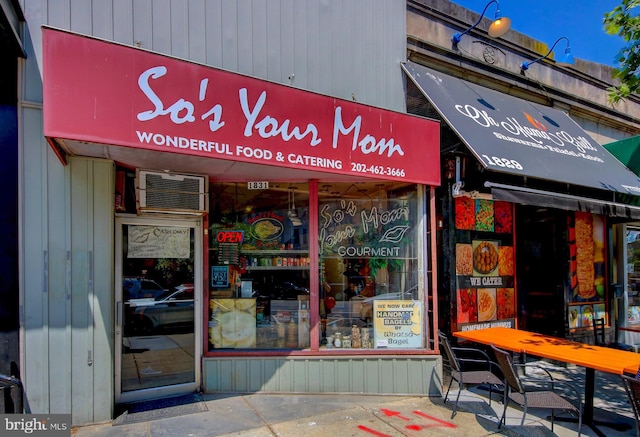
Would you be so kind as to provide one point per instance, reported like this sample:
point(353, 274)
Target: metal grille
point(168, 192)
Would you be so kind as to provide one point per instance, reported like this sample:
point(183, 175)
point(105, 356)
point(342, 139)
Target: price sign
point(257, 185)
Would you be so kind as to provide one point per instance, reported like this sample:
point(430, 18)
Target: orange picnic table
point(590, 357)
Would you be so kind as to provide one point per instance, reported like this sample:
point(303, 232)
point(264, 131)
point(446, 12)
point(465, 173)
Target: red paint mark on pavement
point(371, 431)
point(435, 419)
point(435, 422)
point(393, 413)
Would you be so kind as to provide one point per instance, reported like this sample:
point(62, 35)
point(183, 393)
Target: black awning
point(10, 19)
point(527, 196)
point(515, 136)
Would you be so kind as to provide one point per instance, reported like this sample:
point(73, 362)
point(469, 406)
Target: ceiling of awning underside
point(216, 169)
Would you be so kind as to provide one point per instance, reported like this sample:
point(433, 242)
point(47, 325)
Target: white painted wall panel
point(58, 296)
point(340, 48)
point(230, 34)
point(213, 33)
point(179, 30)
point(91, 187)
point(142, 24)
point(275, 44)
point(161, 27)
point(58, 13)
point(197, 25)
point(123, 31)
point(33, 300)
point(102, 19)
point(80, 185)
point(81, 16)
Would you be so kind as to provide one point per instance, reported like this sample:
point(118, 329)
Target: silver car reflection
point(172, 309)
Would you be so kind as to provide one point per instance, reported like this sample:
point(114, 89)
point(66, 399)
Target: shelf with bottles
point(280, 260)
point(277, 263)
point(265, 251)
point(250, 268)
point(274, 252)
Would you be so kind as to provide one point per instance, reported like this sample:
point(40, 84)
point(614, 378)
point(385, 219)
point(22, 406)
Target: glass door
point(158, 307)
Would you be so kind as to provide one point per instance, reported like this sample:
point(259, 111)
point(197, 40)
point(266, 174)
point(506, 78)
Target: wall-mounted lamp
point(564, 60)
point(498, 28)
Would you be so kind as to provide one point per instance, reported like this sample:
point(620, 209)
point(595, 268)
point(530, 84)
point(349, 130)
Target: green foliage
point(174, 270)
point(623, 22)
point(376, 264)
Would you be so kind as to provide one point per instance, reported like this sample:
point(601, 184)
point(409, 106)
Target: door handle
point(119, 313)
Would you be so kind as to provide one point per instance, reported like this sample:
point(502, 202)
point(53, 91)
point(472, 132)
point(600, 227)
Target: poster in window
point(505, 261)
point(506, 303)
point(485, 257)
point(464, 259)
point(487, 308)
point(467, 306)
point(465, 213)
point(503, 217)
point(397, 324)
point(586, 249)
point(158, 242)
point(484, 215)
point(220, 276)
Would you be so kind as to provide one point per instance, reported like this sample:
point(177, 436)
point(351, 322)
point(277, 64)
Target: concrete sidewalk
point(324, 415)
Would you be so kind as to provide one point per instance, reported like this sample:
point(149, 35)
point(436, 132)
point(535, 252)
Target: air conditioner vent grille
point(158, 183)
point(173, 200)
point(171, 193)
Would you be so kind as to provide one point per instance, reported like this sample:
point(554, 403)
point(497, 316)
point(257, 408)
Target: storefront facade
point(533, 206)
point(226, 233)
point(627, 301)
point(161, 254)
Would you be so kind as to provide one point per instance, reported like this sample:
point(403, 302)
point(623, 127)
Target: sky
point(547, 20)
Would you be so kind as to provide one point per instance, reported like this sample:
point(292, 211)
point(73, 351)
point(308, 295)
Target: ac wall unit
point(171, 193)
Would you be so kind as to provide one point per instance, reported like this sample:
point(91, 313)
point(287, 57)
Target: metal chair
point(600, 338)
point(472, 368)
point(632, 387)
point(527, 393)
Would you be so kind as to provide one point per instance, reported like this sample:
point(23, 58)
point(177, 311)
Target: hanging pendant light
point(292, 213)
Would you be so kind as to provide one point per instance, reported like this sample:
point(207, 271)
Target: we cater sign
point(107, 93)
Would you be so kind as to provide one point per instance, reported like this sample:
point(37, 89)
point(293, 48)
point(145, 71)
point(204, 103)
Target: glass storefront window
point(259, 266)
point(587, 269)
point(368, 266)
point(633, 274)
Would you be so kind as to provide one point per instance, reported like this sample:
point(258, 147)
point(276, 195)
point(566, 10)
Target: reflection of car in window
point(137, 288)
point(169, 310)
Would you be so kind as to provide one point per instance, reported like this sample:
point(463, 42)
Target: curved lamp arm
point(498, 28)
point(566, 59)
